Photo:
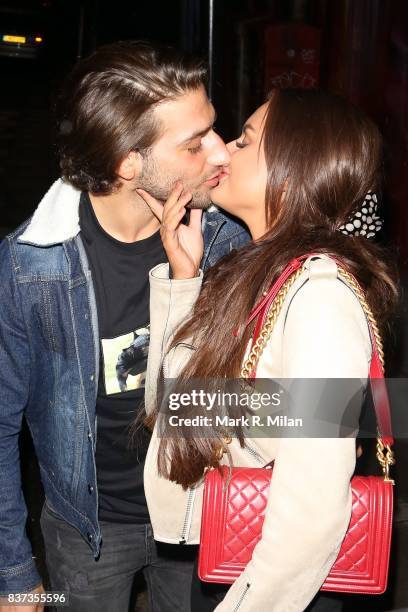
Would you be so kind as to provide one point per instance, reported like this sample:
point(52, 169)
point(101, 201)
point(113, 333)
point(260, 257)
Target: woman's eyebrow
point(247, 127)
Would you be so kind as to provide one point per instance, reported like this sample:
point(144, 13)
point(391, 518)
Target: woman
point(298, 177)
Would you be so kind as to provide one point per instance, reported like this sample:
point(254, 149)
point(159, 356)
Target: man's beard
point(160, 185)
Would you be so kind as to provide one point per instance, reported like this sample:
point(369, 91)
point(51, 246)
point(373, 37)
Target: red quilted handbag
point(235, 499)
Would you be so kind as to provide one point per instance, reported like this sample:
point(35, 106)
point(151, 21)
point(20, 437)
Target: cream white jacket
point(321, 332)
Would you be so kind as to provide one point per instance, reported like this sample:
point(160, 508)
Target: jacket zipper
point(164, 366)
point(190, 501)
point(255, 454)
point(241, 599)
point(188, 516)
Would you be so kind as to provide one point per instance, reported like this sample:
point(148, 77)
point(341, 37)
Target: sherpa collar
point(56, 218)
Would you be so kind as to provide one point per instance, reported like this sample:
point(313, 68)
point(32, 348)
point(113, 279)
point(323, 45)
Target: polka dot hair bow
point(365, 220)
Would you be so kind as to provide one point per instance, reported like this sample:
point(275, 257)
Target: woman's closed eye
point(240, 144)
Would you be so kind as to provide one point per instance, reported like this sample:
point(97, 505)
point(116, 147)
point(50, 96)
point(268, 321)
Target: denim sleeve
point(232, 236)
point(18, 572)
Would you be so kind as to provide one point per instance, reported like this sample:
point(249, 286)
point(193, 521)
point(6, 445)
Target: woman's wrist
point(180, 272)
point(183, 275)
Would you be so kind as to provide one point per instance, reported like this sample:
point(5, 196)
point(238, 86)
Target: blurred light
point(14, 39)
point(38, 39)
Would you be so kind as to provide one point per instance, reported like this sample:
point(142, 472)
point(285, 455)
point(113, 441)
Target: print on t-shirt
point(125, 360)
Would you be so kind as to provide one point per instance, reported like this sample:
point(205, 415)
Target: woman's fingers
point(155, 206)
point(181, 242)
point(168, 212)
point(168, 229)
point(196, 215)
point(173, 199)
point(174, 211)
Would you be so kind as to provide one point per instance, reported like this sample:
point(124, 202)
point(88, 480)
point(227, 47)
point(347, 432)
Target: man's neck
point(124, 215)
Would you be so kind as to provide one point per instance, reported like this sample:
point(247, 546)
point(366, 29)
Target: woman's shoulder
point(325, 290)
point(325, 322)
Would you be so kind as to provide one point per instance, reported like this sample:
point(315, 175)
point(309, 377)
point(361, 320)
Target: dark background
point(357, 48)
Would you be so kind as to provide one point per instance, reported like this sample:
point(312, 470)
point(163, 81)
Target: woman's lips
point(223, 174)
point(212, 182)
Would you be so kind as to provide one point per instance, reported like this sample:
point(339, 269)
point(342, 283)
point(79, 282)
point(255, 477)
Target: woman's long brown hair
point(327, 156)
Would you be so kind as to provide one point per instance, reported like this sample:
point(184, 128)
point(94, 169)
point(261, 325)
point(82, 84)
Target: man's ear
point(130, 166)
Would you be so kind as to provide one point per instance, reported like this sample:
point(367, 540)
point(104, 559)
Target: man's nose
point(218, 152)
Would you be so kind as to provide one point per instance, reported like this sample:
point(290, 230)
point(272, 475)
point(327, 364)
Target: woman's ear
point(130, 167)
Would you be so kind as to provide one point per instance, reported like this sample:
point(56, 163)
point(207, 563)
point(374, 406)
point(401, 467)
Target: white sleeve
point(171, 302)
point(309, 504)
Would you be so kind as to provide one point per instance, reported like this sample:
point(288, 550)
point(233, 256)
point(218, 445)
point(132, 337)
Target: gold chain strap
point(276, 308)
point(260, 344)
point(386, 458)
point(351, 281)
point(268, 326)
point(385, 454)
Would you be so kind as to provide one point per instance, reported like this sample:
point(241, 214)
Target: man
point(75, 304)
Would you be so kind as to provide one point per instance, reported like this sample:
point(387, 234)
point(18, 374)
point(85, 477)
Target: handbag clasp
point(385, 456)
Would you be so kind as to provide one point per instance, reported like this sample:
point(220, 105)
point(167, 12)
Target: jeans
point(105, 584)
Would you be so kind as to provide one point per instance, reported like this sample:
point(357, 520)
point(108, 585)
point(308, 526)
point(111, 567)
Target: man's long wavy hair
point(326, 155)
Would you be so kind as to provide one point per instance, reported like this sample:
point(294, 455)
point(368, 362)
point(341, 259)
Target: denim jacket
point(49, 367)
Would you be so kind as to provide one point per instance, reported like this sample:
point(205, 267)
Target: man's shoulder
point(27, 258)
point(228, 225)
point(222, 234)
point(13, 235)
point(8, 259)
point(10, 239)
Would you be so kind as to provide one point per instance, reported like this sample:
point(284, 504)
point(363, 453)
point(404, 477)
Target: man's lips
point(215, 179)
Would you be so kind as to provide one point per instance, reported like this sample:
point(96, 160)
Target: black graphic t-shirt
point(120, 273)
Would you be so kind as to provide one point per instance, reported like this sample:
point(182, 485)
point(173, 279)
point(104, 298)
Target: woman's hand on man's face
point(183, 244)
